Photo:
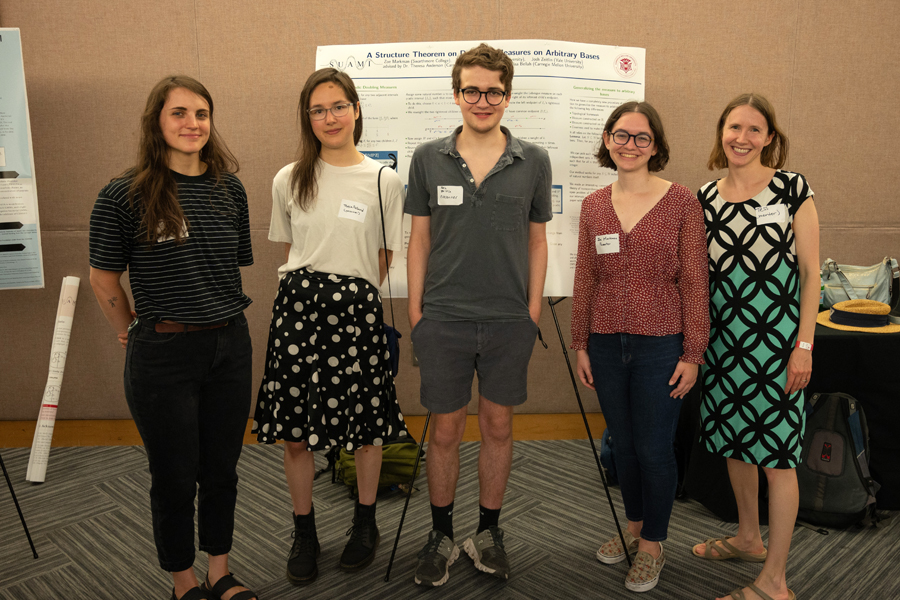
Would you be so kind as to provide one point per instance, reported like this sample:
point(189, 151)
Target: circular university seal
point(625, 65)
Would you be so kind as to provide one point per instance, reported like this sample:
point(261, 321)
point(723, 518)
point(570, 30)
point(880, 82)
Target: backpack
point(607, 458)
point(398, 458)
point(836, 489)
point(608, 461)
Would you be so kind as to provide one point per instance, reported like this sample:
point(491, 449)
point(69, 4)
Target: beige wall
point(829, 66)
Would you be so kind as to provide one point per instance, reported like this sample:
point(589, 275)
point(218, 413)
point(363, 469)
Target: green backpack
point(398, 458)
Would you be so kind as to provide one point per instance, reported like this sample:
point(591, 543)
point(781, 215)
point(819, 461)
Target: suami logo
point(826, 452)
point(351, 62)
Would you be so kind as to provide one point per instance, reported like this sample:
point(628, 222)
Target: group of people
point(668, 289)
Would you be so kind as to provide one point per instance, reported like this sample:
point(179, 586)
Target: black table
point(864, 365)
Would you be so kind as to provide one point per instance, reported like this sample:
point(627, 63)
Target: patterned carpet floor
point(91, 524)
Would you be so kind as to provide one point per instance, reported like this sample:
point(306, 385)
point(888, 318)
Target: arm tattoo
point(112, 301)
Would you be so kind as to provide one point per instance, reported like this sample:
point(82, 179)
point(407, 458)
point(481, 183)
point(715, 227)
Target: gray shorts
point(450, 352)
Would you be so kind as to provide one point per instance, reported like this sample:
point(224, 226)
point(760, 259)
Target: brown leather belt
point(173, 327)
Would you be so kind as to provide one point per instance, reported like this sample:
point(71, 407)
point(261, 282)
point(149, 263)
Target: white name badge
point(450, 195)
point(607, 244)
point(351, 209)
point(770, 214)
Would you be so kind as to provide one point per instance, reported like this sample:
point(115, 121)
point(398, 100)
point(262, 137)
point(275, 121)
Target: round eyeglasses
point(338, 110)
point(641, 140)
point(473, 96)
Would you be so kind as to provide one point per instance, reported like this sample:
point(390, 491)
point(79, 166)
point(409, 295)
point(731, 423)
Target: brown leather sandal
point(725, 551)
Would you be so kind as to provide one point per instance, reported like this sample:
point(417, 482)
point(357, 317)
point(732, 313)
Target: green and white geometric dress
point(754, 295)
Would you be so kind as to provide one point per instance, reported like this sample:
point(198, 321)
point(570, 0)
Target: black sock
point(302, 520)
point(442, 519)
point(365, 511)
point(487, 517)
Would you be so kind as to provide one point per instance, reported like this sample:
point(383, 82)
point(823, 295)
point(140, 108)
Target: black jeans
point(189, 394)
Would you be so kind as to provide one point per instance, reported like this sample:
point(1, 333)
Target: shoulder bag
point(848, 282)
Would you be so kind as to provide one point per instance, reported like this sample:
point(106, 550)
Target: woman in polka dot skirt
point(640, 323)
point(327, 378)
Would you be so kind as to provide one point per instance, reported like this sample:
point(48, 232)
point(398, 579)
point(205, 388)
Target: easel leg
point(587, 427)
point(16, 501)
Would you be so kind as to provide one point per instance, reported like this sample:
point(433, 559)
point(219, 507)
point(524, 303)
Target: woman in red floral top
point(640, 323)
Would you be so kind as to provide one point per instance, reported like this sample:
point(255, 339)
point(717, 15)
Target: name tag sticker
point(607, 244)
point(770, 214)
point(450, 195)
point(351, 209)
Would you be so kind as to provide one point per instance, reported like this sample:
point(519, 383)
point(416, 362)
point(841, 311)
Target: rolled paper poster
point(43, 432)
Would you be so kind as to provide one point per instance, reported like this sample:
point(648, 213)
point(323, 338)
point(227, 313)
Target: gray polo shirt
point(478, 265)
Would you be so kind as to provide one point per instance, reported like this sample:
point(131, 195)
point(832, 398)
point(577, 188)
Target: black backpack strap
point(895, 282)
point(814, 399)
point(387, 266)
point(854, 421)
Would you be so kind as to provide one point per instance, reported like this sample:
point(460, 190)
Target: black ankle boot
point(364, 538)
point(301, 563)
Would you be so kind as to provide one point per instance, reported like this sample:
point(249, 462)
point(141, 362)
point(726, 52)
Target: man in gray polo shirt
point(480, 201)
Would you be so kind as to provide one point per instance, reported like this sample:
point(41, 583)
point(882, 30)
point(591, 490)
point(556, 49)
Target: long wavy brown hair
point(154, 192)
point(305, 171)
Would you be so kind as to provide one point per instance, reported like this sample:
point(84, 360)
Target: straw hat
point(867, 316)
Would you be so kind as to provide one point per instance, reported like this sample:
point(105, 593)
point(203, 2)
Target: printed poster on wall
point(21, 264)
point(562, 94)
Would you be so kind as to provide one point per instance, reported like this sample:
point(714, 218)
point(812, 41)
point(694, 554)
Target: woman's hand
point(583, 366)
point(123, 337)
point(685, 376)
point(799, 370)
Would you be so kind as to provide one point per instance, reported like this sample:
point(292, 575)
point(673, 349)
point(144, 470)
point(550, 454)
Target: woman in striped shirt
point(178, 222)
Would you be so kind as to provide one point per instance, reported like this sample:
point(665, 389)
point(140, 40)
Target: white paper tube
point(43, 432)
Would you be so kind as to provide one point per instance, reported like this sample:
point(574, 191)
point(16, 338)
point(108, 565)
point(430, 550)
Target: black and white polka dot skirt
point(327, 376)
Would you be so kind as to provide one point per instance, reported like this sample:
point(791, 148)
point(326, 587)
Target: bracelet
point(804, 345)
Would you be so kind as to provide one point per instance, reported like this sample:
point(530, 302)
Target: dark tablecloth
point(864, 365)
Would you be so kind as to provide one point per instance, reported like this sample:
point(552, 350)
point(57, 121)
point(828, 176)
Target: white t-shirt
point(341, 234)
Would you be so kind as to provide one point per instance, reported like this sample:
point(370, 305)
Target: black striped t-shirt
point(197, 281)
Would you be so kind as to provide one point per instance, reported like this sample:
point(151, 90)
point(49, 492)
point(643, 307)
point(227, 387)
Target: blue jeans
point(631, 374)
point(189, 394)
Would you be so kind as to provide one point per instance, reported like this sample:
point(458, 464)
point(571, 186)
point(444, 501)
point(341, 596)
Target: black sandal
point(223, 585)
point(195, 593)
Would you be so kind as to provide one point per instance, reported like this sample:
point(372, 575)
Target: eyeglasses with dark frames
point(338, 110)
point(473, 96)
point(641, 140)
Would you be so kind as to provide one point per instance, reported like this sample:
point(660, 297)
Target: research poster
point(20, 236)
point(562, 94)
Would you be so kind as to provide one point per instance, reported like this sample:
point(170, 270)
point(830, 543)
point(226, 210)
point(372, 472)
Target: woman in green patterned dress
point(763, 240)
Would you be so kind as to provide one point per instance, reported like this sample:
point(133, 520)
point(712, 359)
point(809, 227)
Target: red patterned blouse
point(655, 284)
